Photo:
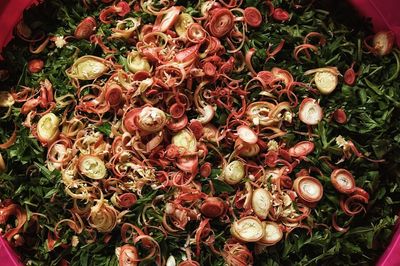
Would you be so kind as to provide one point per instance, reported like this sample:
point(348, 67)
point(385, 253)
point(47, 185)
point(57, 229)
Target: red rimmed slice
point(246, 134)
point(168, 19)
point(340, 116)
point(261, 202)
point(221, 22)
point(248, 229)
point(383, 42)
point(273, 234)
point(209, 69)
point(129, 120)
point(308, 188)
point(177, 124)
point(213, 207)
point(302, 149)
point(205, 169)
point(252, 16)
point(350, 76)
point(127, 200)
point(343, 181)
point(114, 95)
point(310, 113)
point(35, 65)
point(196, 33)
point(197, 128)
point(280, 15)
point(85, 28)
point(188, 164)
point(177, 110)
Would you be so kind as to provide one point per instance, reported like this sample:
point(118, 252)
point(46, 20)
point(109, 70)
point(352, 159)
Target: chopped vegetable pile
point(198, 133)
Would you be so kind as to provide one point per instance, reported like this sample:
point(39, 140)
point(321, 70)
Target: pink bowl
point(7, 255)
point(384, 14)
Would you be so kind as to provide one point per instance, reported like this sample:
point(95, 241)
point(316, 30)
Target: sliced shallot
point(310, 113)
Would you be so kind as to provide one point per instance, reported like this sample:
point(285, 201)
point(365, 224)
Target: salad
point(185, 133)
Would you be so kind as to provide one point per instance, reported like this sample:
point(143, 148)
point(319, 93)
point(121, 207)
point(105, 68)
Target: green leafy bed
point(372, 106)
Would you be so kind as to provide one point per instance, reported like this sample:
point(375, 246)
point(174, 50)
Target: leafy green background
point(372, 106)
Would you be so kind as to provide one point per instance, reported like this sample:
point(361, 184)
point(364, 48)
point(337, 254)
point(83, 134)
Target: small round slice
point(301, 149)
point(343, 181)
point(261, 202)
point(47, 128)
point(310, 113)
point(247, 134)
point(92, 167)
point(308, 188)
point(273, 234)
point(234, 172)
point(212, 207)
point(248, 229)
point(383, 42)
point(326, 78)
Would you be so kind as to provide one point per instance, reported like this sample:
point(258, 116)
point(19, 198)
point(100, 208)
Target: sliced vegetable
point(343, 181)
point(273, 233)
point(252, 16)
point(261, 202)
point(234, 172)
point(85, 28)
point(310, 113)
point(308, 188)
point(88, 67)
point(221, 22)
point(182, 24)
point(212, 207)
point(48, 128)
point(247, 134)
point(92, 167)
point(383, 42)
point(326, 78)
point(248, 229)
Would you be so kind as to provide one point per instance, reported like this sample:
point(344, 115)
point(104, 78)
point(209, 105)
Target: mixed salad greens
point(236, 132)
